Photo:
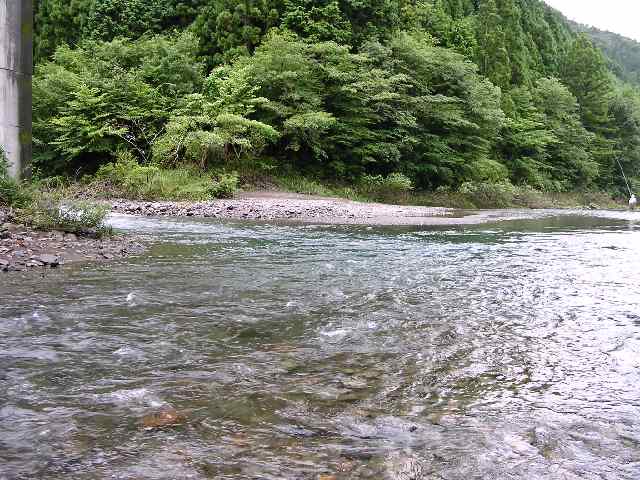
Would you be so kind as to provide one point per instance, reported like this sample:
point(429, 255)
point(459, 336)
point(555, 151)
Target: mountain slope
point(623, 53)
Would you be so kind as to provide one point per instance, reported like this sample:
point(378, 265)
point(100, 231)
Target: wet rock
point(346, 466)
point(167, 417)
point(71, 237)
point(354, 384)
point(49, 260)
point(297, 431)
point(240, 440)
point(350, 397)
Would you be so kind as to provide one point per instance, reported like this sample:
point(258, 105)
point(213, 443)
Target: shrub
point(213, 127)
point(395, 186)
point(4, 164)
point(126, 173)
point(46, 212)
point(301, 184)
point(128, 179)
point(223, 185)
point(12, 193)
point(489, 195)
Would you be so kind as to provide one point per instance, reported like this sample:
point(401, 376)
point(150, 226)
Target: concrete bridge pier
point(16, 70)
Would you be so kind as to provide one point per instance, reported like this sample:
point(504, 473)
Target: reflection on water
point(495, 352)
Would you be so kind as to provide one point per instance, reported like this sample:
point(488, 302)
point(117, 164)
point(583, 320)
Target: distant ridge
point(622, 52)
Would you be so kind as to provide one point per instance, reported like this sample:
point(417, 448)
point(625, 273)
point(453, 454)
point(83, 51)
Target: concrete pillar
point(16, 69)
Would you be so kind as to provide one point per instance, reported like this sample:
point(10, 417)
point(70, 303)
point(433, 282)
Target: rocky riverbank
point(22, 248)
point(279, 206)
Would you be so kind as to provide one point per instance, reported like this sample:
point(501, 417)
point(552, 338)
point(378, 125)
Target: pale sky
point(619, 16)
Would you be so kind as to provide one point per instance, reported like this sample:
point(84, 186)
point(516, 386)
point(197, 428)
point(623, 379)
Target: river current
point(499, 351)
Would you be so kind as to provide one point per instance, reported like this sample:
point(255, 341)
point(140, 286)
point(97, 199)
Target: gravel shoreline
point(278, 206)
point(22, 248)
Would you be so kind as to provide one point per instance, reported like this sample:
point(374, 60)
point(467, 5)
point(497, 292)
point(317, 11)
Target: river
point(498, 351)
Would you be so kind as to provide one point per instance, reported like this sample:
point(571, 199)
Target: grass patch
point(394, 188)
point(127, 179)
point(47, 212)
point(520, 197)
point(13, 194)
point(398, 189)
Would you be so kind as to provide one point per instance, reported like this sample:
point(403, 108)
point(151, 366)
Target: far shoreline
point(283, 206)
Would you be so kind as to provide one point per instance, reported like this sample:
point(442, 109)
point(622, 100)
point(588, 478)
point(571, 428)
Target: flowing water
point(504, 351)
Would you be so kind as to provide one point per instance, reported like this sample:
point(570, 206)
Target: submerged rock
point(167, 417)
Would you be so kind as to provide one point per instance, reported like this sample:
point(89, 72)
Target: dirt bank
point(309, 209)
point(22, 248)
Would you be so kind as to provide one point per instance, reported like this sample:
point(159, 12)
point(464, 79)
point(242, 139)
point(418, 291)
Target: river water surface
point(503, 351)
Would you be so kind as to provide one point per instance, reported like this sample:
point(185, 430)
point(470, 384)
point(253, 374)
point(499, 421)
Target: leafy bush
point(12, 193)
point(128, 179)
point(4, 164)
point(489, 195)
point(100, 97)
point(47, 212)
point(126, 172)
point(223, 185)
point(214, 127)
point(395, 186)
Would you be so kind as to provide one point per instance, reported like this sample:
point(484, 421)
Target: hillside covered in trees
point(623, 53)
point(445, 92)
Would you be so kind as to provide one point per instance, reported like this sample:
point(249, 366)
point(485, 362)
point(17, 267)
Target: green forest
point(623, 54)
point(442, 94)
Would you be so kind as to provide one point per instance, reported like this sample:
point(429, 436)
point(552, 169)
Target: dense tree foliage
point(623, 54)
point(444, 91)
point(93, 101)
